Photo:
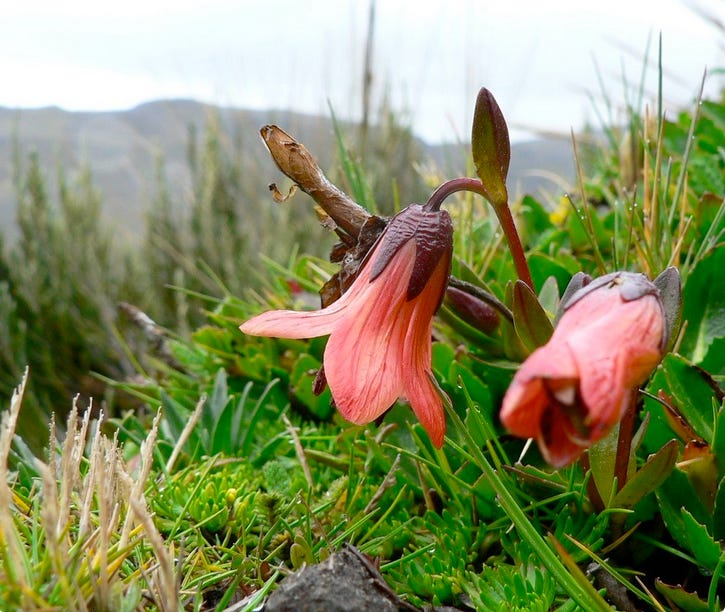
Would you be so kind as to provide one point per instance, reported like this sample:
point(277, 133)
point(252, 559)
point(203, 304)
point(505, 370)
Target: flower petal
point(558, 440)
point(291, 324)
point(569, 393)
point(616, 344)
point(419, 386)
point(307, 324)
point(523, 406)
point(527, 398)
point(363, 357)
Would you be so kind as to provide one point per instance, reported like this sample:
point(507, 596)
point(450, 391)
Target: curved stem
point(503, 212)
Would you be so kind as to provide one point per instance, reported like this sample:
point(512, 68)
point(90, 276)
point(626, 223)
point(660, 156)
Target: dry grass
point(83, 537)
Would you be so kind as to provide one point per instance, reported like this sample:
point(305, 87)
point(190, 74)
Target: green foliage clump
point(253, 475)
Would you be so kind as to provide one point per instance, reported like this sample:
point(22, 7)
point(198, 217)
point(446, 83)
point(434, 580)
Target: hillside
point(124, 149)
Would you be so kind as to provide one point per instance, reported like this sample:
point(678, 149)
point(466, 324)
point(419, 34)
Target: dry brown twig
point(355, 226)
point(296, 162)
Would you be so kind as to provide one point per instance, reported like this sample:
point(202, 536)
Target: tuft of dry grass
point(83, 537)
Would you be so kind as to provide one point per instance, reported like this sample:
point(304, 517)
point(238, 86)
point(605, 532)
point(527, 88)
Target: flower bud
point(570, 392)
point(472, 310)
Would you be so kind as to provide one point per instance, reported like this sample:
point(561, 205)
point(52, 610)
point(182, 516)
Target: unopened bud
point(472, 310)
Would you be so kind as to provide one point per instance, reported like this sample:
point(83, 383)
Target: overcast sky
point(541, 59)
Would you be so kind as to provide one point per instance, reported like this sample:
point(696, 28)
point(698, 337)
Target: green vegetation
point(219, 471)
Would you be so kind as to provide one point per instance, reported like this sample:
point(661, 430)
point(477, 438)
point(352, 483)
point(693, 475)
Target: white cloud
point(430, 57)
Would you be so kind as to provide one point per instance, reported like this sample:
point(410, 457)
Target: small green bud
point(491, 147)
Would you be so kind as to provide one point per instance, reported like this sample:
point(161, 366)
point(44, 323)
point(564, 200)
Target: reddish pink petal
point(558, 442)
point(603, 346)
point(427, 404)
point(291, 324)
point(306, 324)
point(523, 407)
point(617, 350)
point(420, 390)
point(363, 357)
point(527, 398)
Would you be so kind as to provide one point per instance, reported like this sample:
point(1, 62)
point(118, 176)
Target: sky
point(550, 64)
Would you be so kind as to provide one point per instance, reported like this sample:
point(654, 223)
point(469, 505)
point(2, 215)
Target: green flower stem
point(580, 591)
point(503, 212)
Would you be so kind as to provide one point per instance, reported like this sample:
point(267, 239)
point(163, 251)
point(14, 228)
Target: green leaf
point(302, 379)
point(688, 602)
point(580, 235)
point(718, 438)
point(442, 355)
point(650, 476)
point(213, 408)
point(513, 347)
point(691, 393)
point(549, 296)
point(544, 266)
point(675, 496)
point(214, 339)
point(714, 360)
point(704, 306)
point(718, 513)
point(175, 416)
point(219, 396)
point(533, 219)
point(227, 433)
point(476, 339)
point(701, 544)
point(491, 147)
point(533, 326)
point(602, 459)
point(473, 386)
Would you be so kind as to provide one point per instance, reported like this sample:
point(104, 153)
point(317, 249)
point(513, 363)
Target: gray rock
point(347, 581)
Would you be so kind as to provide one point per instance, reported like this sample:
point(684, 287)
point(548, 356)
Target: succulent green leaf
point(676, 496)
point(704, 308)
point(684, 600)
point(532, 325)
point(718, 514)
point(702, 545)
point(653, 473)
point(491, 147)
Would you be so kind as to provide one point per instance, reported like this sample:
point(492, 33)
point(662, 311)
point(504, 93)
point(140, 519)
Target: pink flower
point(570, 392)
point(379, 348)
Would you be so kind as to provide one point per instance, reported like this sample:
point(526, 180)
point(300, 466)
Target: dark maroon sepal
point(433, 235)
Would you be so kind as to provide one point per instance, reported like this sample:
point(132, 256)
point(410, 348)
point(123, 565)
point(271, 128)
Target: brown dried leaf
point(295, 161)
point(280, 197)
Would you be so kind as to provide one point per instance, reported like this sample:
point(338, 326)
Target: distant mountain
point(124, 149)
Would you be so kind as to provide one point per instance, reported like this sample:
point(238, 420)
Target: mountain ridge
point(124, 150)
